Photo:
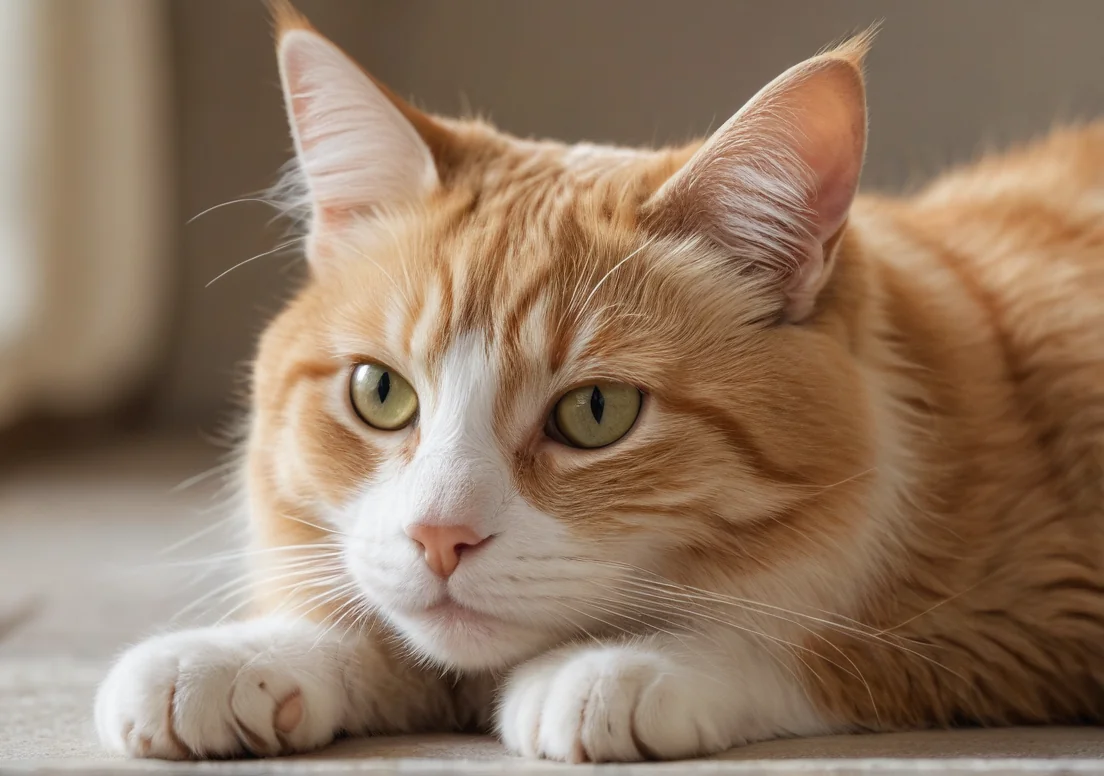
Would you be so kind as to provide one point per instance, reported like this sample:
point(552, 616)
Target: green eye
point(381, 397)
point(596, 415)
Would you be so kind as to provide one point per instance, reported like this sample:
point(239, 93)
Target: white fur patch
point(635, 702)
point(457, 476)
point(264, 687)
point(426, 323)
point(533, 334)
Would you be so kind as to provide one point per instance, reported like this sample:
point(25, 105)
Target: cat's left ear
point(775, 183)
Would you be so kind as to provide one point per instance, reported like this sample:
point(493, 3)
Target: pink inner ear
point(357, 151)
point(829, 110)
point(830, 119)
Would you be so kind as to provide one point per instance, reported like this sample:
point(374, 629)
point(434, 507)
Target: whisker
point(244, 554)
point(935, 606)
point(235, 585)
point(351, 605)
point(206, 474)
point(696, 611)
point(595, 617)
point(793, 648)
point(868, 634)
point(192, 538)
point(277, 249)
point(238, 201)
point(317, 527)
point(660, 580)
point(330, 592)
point(311, 582)
point(767, 609)
point(685, 623)
point(862, 631)
point(642, 610)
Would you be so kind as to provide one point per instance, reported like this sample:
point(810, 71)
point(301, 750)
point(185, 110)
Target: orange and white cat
point(631, 454)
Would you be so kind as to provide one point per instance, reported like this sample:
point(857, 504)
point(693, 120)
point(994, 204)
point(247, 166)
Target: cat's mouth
point(465, 637)
point(448, 612)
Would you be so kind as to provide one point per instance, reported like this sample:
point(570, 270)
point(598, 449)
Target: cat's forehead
point(533, 207)
point(536, 251)
point(536, 184)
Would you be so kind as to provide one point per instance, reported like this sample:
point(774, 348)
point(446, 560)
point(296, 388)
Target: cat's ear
point(357, 144)
point(775, 183)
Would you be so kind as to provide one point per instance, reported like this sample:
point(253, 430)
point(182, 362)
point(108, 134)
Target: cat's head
point(524, 376)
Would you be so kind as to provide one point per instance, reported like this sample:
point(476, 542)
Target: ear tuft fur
point(855, 48)
point(285, 18)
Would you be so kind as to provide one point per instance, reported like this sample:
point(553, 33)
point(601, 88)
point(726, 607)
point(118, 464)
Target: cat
point(645, 454)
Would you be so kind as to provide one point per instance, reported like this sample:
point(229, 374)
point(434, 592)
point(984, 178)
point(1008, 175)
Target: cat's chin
point(466, 639)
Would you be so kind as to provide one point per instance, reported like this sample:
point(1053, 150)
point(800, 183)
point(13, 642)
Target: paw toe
point(289, 713)
point(607, 705)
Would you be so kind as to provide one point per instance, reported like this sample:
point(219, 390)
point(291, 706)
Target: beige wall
point(947, 77)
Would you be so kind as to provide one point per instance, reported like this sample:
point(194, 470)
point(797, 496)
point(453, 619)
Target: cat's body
point(991, 289)
point(859, 487)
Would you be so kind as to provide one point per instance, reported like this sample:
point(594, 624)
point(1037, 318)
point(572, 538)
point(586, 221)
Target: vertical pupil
point(597, 404)
point(384, 386)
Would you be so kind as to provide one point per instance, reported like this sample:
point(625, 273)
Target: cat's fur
point(864, 492)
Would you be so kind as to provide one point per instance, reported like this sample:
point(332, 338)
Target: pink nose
point(443, 544)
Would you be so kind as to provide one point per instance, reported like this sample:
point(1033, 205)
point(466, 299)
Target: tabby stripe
point(740, 440)
point(303, 371)
point(955, 263)
point(445, 331)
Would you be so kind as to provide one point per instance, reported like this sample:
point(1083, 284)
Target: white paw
point(259, 688)
point(606, 704)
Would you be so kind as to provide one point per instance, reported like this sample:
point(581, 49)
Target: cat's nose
point(443, 544)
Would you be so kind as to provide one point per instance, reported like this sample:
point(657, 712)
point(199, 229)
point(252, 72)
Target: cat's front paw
point(607, 704)
point(258, 688)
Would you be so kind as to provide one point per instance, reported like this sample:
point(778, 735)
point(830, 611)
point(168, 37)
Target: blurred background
point(130, 124)
point(129, 118)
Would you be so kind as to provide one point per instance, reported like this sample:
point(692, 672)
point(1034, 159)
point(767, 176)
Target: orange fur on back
point(987, 291)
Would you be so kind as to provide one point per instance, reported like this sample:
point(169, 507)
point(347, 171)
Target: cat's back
point(1020, 226)
point(1007, 256)
point(1021, 233)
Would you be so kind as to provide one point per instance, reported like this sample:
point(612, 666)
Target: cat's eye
point(382, 397)
point(595, 415)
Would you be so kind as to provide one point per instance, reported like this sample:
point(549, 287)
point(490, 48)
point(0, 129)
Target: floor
point(102, 547)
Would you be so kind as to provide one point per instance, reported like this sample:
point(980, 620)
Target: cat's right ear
point(357, 145)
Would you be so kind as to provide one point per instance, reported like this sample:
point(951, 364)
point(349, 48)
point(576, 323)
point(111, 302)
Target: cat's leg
point(269, 686)
point(656, 699)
